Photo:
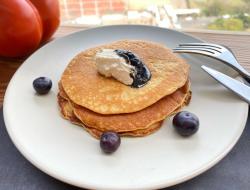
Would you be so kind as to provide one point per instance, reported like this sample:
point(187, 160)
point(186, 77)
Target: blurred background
point(232, 15)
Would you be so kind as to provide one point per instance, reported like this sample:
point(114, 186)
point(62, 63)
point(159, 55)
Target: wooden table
point(238, 42)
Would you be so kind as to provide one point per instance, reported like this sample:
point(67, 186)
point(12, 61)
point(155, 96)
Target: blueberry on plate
point(42, 85)
point(186, 123)
point(110, 141)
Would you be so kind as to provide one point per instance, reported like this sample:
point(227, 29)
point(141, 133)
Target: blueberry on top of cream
point(142, 74)
point(124, 66)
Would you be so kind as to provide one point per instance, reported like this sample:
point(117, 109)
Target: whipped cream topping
point(110, 64)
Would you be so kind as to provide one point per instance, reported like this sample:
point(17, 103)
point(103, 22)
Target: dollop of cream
point(110, 64)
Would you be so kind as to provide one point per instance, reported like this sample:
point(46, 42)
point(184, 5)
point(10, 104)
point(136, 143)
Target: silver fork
point(216, 51)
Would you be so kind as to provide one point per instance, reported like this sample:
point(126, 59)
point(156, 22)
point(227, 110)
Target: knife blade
point(235, 86)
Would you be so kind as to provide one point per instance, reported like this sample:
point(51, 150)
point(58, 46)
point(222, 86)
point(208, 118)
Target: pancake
point(139, 133)
point(85, 87)
point(131, 121)
point(67, 110)
point(67, 113)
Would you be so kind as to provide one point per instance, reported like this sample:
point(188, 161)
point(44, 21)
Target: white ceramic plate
point(70, 154)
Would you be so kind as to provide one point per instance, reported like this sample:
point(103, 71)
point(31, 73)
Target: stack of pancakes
point(102, 104)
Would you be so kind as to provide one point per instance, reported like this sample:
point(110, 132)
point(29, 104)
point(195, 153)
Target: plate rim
point(162, 184)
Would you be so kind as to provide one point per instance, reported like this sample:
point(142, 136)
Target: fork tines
point(200, 48)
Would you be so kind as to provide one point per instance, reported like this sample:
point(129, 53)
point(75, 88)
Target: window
point(179, 14)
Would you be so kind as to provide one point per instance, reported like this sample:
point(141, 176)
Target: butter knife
point(235, 86)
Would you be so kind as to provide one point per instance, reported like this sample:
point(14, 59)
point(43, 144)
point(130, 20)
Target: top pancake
point(86, 87)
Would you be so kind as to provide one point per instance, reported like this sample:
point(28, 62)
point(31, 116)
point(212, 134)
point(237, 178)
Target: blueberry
point(110, 141)
point(42, 85)
point(186, 123)
point(131, 55)
point(125, 53)
point(135, 62)
point(142, 74)
point(121, 51)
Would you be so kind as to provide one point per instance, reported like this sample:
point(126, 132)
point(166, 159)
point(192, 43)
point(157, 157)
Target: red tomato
point(49, 11)
point(20, 28)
